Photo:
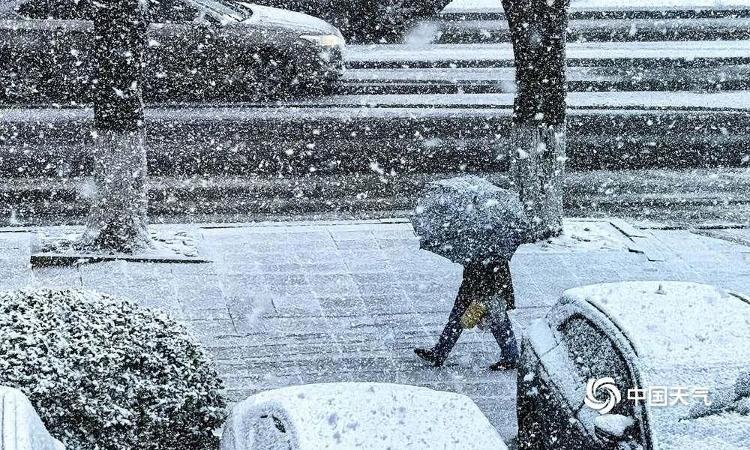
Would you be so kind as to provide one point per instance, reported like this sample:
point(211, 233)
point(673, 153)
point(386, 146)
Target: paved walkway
point(290, 303)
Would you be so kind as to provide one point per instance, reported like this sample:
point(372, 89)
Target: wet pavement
point(301, 302)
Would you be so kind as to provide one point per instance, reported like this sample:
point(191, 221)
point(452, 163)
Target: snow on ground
point(727, 431)
point(583, 236)
point(292, 303)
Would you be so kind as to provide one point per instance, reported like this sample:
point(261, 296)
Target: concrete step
point(602, 9)
point(448, 80)
point(693, 54)
point(468, 31)
point(687, 197)
point(390, 134)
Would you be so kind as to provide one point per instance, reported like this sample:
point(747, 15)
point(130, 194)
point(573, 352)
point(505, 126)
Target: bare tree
point(117, 219)
point(538, 155)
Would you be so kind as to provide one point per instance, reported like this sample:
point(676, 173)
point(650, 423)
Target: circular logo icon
point(610, 395)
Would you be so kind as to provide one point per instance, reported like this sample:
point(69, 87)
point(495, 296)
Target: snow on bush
point(107, 374)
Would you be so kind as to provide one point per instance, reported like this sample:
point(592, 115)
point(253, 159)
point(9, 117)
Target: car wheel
point(270, 77)
point(318, 88)
point(280, 83)
point(4, 91)
point(529, 424)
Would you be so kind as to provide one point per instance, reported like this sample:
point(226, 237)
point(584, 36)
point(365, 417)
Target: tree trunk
point(118, 216)
point(538, 135)
point(117, 219)
point(537, 169)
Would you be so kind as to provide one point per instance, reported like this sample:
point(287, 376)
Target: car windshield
point(230, 9)
point(159, 10)
point(56, 9)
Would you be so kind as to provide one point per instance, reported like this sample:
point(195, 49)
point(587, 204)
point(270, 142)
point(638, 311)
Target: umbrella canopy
point(468, 219)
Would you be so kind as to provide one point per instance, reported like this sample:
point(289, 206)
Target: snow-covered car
point(20, 425)
point(632, 365)
point(362, 416)
point(197, 50)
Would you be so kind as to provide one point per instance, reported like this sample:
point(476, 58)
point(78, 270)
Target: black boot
point(429, 355)
point(448, 338)
point(439, 353)
point(452, 331)
point(503, 365)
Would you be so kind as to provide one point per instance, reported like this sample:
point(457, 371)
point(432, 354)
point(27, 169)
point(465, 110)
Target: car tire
point(530, 425)
point(318, 88)
point(4, 100)
point(264, 81)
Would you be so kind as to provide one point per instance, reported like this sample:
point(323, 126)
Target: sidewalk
point(290, 303)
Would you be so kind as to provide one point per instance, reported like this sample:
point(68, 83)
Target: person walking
point(485, 296)
point(472, 222)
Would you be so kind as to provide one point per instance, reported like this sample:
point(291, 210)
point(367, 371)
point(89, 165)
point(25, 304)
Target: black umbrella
point(468, 219)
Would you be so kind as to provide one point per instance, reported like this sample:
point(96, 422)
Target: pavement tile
point(300, 305)
point(206, 330)
point(55, 277)
point(199, 293)
point(206, 314)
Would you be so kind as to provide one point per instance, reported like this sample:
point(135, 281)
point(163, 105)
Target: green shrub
point(107, 374)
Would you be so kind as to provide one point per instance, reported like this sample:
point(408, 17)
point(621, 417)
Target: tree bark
point(537, 170)
point(537, 29)
point(118, 216)
point(118, 219)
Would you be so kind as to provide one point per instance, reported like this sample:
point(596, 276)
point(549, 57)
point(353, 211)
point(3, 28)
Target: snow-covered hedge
point(108, 374)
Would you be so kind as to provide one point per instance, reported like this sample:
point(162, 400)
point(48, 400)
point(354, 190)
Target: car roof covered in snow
point(368, 416)
point(675, 322)
point(686, 336)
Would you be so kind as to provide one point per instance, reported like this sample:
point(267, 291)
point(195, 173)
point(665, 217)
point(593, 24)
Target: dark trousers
point(480, 282)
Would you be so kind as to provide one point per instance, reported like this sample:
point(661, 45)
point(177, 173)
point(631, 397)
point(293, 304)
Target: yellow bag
point(474, 313)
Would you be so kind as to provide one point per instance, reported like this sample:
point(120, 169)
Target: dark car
point(367, 21)
point(197, 50)
point(634, 365)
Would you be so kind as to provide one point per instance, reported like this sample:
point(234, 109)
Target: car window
point(56, 9)
point(160, 11)
point(230, 11)
point(166, 11)
point(595, 356)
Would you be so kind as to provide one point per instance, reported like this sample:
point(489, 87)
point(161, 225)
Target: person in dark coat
point(486, 293)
